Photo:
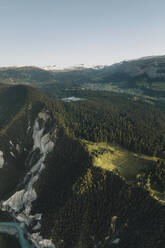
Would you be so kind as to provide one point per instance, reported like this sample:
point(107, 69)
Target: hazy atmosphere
point(69, 32)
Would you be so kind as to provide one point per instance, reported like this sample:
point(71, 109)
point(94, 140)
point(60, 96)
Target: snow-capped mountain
point(72, 67)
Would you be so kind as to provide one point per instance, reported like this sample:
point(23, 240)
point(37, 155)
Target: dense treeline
point(155, 178)
point(115, 118)
point(158, 174)
point(84, 206)
point(14, 101)
point(64, 165)
point(92, 208)
point(11, 101)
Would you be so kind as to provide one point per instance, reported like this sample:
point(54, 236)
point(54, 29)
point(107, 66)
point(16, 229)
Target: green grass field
point(112, 156)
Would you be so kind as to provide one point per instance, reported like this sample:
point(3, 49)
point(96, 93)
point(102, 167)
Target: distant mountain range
point(145, 74)
point(86, 66)
point(49, 182)
point(71, 68)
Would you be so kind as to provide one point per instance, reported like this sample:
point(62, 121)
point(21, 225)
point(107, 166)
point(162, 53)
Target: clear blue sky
point(67, 32)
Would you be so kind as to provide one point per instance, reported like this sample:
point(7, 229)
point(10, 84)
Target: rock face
point(19, 204)
point(49, 185)
point(1, 159)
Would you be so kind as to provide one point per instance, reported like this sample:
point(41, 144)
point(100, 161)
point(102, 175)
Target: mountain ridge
point(81, 205)
point(143, 76)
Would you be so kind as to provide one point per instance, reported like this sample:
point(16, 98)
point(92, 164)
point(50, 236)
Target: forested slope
point(135, 125)
point(94, 208)
point(18, 108)
point(81, 205)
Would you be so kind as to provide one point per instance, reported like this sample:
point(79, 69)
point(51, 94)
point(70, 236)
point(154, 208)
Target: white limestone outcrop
point(2, 161)
point(19, 204)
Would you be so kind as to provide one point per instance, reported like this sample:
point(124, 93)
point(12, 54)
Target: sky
point(71, 32)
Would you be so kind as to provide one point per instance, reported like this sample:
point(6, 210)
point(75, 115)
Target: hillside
point(140, 77)
point(112, 117)
point(11, 96)
point(17, 104)
point(49, 182)
point(27, 75)
point(97, 210)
